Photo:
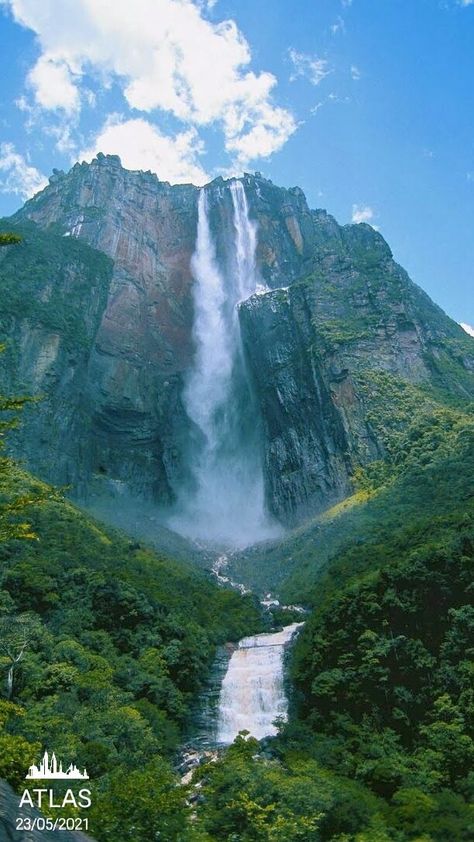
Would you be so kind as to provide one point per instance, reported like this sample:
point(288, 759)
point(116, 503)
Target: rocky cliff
point(313, 348)
point(97, 312)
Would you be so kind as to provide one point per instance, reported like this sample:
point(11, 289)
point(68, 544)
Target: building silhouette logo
point(50, 769)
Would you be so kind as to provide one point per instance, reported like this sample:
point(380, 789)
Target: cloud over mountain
point(149, 54)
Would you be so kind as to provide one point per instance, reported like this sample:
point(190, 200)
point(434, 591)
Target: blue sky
point(368, 106)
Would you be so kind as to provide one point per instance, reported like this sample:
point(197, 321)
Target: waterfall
point(252, 694)
point(245, 243)
point(226, 505)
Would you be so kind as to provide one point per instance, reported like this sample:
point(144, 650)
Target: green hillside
point(120, 641)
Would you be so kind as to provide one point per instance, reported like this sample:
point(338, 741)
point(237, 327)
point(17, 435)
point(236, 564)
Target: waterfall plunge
point(226, 506)
point(252, 694)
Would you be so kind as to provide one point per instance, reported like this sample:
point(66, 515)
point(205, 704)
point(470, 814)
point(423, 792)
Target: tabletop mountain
point(97, 307)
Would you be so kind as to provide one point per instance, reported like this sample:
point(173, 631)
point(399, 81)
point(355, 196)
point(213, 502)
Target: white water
point(252, 694)
point(226, 505)
point(245, 244)
point(218, 566)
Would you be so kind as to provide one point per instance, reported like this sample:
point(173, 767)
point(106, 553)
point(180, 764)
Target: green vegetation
point(37, 278)
point(9, 239)
point(380, 737)
point(360, 297)
point(380, 743)
point(120, 639)
point(332, 332)
point(104, 646)
point(252, 798)
point(383, 678)
point(417, 490)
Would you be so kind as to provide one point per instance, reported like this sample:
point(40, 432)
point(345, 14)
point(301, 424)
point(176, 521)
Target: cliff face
point(313, 347)
point(53, 293)
point(107, 333)
point(142, 342)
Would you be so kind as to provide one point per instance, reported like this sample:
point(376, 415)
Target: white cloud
point(466, 2)
point(141, 147)
point(53, 85)
point(17, 175)
point(163, 54)
point(362, 213)
point(266, 135)
point(310, 67)
point(355, 72)
point(468, 328)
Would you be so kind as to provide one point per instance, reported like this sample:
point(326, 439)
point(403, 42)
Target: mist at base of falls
point(224, 503)
point(236, 521)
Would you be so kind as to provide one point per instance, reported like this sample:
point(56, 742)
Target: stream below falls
point(247, 689)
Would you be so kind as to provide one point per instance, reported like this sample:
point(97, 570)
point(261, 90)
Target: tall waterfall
point(245, 244)
point(226, 505)
point(252, 694)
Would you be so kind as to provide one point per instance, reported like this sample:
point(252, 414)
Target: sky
point(368, 106)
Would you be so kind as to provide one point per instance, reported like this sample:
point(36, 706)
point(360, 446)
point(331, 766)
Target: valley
point(236, 498)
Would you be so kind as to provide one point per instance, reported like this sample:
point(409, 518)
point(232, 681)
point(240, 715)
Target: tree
point(9, 239)
point(17, 633)
point(143, 804)
point(16, 753)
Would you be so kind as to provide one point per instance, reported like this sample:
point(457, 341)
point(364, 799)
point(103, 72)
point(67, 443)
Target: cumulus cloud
point(142, 146)
point(310, 67)
point(362, 213)
point(17, 175)
point(164, 55)
point(468, 328)
point(53, 85)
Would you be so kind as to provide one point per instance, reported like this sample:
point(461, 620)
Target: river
point(252, 692)
point(246, 691)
